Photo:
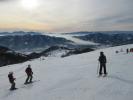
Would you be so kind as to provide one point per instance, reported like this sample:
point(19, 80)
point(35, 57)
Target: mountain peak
point(20, 33)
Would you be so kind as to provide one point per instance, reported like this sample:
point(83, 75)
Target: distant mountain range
point(19, 33)
point(95, 32)
point(55, 46)
point(31, 40)
point(108, 38)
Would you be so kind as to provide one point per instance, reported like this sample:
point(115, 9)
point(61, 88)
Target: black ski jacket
point(102, 59)
point(11, 78)
point(29, 71)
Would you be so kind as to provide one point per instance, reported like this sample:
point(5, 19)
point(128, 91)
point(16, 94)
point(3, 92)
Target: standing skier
point(102, 60)
point(11, 80)
point(127, 50)
point(29, 74)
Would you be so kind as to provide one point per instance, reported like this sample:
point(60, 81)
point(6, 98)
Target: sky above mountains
point(66, 15)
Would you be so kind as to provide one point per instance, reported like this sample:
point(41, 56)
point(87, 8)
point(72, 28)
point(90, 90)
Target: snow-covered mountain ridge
point(73, 78)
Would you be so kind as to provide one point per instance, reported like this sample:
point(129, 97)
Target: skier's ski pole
point(98, 68)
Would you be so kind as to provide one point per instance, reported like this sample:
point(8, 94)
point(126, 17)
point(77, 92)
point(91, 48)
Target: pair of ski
point(13, 89)
point(105, 75)
point(28, 83)
point(25, 84)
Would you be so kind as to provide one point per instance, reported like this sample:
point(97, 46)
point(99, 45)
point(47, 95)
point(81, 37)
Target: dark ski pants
point(29, 78)
point(102, 67)
point(12, 86)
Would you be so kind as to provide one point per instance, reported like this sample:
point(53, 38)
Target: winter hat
point(10, 72)
point(101, 52)
point(29, 65)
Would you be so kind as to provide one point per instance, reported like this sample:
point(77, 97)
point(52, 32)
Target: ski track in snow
point(72, 78)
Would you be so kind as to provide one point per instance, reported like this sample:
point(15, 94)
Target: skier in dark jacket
point(102, 60)
point(29, 74)
point(127, 51)
point(11, 80)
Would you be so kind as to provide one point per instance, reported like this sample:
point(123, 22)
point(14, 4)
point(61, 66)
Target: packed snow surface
point(72, 78)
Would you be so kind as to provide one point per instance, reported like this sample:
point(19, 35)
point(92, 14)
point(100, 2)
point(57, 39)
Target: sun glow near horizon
point(29, 4)
point(66, 15)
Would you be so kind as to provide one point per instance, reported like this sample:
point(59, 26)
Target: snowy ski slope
point(73, 78)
